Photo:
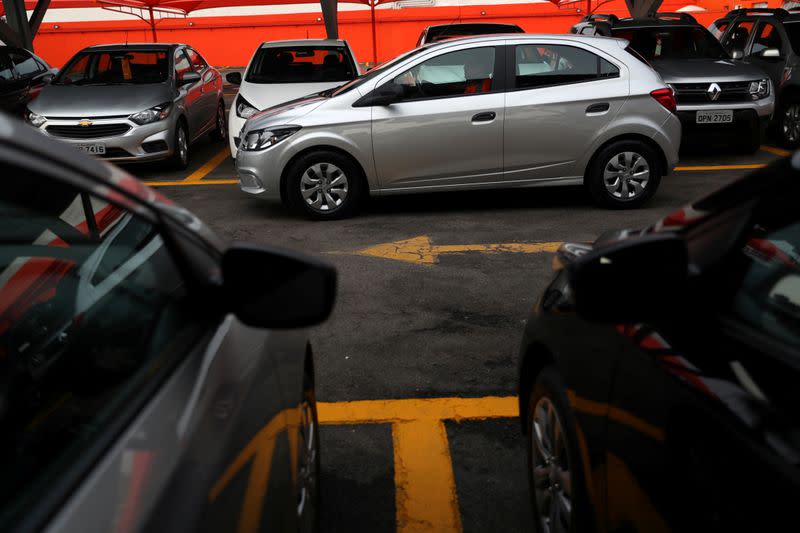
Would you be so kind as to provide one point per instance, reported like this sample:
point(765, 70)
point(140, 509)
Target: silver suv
point(570, 110)
point(133, 102)
point(719, 100)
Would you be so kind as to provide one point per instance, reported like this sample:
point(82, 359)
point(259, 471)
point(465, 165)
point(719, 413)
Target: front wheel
point(308, 467)
point(220, 131)
point(180, 148)
point(624, 175)
point(789, 124)
point(325, 185)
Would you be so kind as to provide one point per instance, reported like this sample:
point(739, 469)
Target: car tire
point(548, 402)
point(788, 124)
point(220, 131)
point(179, 159)
point(324, 185)
point(308, 468)
point(617, 168)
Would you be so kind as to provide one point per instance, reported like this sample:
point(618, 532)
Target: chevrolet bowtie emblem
point(85, 123)
point(713, 92)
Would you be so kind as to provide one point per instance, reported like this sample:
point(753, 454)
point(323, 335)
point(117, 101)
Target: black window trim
point(511, 59)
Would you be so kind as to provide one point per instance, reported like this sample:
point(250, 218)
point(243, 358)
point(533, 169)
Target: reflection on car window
point(679, 42)
point(463, 72)
point(768, 37)
point(91, 308)
point(542, 65)
point(738, 36)
point(5, 68)
point(119, 67)
point(718, 28)
point(24, 63)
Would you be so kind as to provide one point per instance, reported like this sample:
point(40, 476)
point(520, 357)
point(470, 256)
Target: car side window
point(541, 65)
point(182, 65)
point(93, 311)
point(464, 72)
point(198, 63)
point(768, 36)
point(25, 64)
point(738, 37)
point(6, 72)
point(718, 28)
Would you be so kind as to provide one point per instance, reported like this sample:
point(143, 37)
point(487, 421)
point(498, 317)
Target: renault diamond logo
point(85, 123)
point(713, 91)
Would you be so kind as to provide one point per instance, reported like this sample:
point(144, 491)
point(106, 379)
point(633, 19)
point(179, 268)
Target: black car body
point(433, 34)
point(669, 358)
point(22, 77)
point(719, 100)
point(769, 39)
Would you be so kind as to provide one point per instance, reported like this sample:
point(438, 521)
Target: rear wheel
point(789, 124)
point(220, 131)
point(325, 185)
point(624, 175)
point(308, 459)
point(179, 159)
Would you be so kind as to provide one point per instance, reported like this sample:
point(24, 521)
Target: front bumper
point(150, 142)
point(235, 125)
point(748, 117)
point(259, 173)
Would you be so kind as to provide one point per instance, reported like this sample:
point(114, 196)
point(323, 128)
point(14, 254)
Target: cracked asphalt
point(446, 329)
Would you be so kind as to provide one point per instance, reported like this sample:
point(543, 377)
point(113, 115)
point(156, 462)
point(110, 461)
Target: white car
point(280, 71)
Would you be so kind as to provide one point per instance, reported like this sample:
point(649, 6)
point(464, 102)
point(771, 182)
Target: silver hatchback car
point(133, 102)
point(478, 113)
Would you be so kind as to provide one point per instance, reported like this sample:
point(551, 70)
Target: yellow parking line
point(777, 151)
point(718, 167)
point(185, 183)
point(213, 163)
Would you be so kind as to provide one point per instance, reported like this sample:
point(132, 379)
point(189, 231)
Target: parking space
point(416, 370)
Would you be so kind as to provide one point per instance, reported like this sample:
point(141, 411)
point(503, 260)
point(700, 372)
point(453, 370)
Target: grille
point(697, 93)
point(88, 132)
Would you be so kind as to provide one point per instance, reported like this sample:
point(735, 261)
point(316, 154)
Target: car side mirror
point(382, 96)
point(189, 78)
point(234, 78)
point(47, 78)
point(773, 53)
point(270, 288)
point(737, 54)
point(632, 280)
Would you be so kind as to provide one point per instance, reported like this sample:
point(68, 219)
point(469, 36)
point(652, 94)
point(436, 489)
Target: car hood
point(266, 95)
point(91, 101)
point(700, 70)
point(286, 113)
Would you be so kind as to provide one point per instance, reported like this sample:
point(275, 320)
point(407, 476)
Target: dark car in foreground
point(23, 75)
point(434, 34)
point(151, 377)
point(660, 369)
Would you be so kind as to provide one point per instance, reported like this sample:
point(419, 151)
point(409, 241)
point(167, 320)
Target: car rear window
point(678, 42)
point(116, 67)
point(301, 65)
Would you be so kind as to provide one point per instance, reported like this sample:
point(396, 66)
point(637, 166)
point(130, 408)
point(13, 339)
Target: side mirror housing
point(47, 78)
point(772, 53)
point(189, 78)
point(631, 280)
point(737, 54)
point(382, 96)
point(234, 78)
point(269, 288)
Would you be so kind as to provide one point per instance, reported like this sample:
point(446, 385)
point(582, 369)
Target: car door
point(560, 98)
point(769, 36)
point(31, 71)
point(704, 427)
point(210, 83)
point(446, 130)
point(195, 113)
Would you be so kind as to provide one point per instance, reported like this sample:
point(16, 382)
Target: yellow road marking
point(210, 165)
point(620, 416)
point(777, 151)
point(703, 168)
point(420, 251)
point(184, 183)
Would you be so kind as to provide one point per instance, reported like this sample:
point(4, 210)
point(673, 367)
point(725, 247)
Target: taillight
point(666, 98)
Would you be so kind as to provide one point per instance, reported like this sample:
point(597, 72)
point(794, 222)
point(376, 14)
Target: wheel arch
point(536, 357)
point(653, 145)
point(321, 148)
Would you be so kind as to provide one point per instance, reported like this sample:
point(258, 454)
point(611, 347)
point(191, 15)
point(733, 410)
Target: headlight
point(261, 139)
point(759, 89)
point(244, 109)
point(154, 114)
point(34, 119)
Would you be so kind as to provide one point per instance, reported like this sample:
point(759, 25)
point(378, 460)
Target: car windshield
point(793, 32)
point(377, 71)
point(679, 42)
point(301, 64)
point(116, 67)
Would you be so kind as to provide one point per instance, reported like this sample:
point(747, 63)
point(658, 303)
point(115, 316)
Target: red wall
point(230, 41)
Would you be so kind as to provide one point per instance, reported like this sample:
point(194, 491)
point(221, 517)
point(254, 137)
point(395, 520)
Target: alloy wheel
point(791, 123)
point(307, 467)
point(183, 144)
point(222, 127)
point(551, 469)
point(324, 187)
point(626, 175)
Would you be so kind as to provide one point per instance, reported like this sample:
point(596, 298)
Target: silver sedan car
point(478, 113)
point(151, 377)
point(133, 102)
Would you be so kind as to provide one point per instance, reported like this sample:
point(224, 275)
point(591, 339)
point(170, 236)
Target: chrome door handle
point(484, 117)
point(598, 108)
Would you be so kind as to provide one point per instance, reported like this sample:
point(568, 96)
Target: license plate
point(715, 117)
point(97, 149)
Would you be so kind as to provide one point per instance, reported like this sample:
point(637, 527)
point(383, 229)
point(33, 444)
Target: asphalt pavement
point(431, 324)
